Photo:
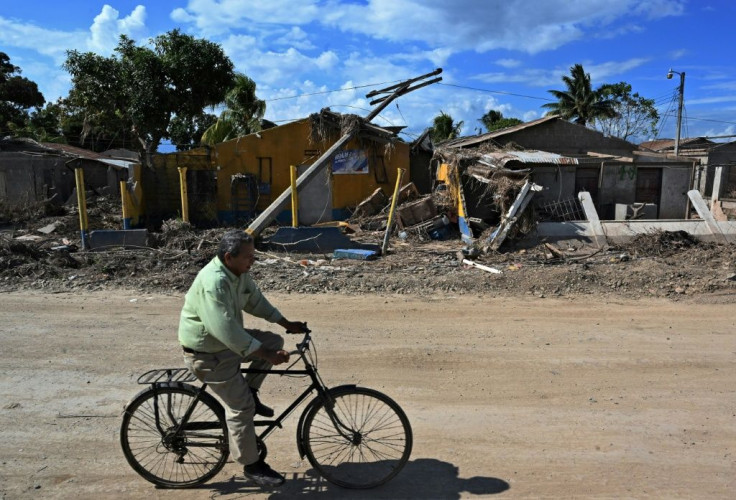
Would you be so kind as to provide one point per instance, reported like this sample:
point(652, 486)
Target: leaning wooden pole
point(294, 198)
point(390, 223)
point(82, 206)
point(280, 203)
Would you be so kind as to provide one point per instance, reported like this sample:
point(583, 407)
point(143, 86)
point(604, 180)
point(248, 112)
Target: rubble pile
point(42, 252)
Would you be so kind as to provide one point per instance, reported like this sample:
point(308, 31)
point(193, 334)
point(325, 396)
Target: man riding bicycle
point(215, 343)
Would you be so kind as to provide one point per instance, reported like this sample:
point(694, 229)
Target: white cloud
point(108, 26)
point(182, 16)
point(438, 57)
point(711, 100)
point(524, 25)
point(678, 54)
point(730, 85)
point(546, 77)
point(297, 38)
point(527, 25)
point(51, 43)
point(508, 63)
point(530, 115)
point(214, 17)
point(274, 67)
point(655, 9)
point(599, 72)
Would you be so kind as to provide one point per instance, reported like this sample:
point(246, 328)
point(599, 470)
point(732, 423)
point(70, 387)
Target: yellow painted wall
point(289, 145)
point(279, 147)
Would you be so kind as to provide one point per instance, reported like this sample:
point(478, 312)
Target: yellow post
point(184, 195)
point(294, 199)
point(389, 224)
point(124, 201)
point(82, 205)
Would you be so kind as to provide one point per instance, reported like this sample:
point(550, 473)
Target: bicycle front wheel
point(363, 441)
point(168, 456)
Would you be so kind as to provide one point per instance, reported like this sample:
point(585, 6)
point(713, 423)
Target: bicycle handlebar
point(307, 330)
point(301, 346)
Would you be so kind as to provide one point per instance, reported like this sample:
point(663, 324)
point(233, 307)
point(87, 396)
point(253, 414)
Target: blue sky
point(309, 54)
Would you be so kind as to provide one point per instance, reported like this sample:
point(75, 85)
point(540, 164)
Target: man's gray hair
point(232, 242)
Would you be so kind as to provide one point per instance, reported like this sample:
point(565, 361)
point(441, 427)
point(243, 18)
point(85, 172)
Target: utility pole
point(268, 215)
point(679, 106)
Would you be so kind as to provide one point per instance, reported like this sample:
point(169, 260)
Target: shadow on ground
point(422, 479)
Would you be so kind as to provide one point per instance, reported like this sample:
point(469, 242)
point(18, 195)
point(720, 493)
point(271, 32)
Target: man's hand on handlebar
point(294, 326)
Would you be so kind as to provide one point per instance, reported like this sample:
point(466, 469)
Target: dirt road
point(550, 398)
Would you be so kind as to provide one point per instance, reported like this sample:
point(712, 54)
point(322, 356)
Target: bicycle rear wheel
point(370, 444)
point(168, 458)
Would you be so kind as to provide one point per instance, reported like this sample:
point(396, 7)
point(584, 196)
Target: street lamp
point(679, 107)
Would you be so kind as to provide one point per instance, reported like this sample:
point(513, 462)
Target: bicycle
point(174, 434)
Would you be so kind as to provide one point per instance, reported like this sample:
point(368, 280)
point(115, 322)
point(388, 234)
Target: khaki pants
point(221, 372)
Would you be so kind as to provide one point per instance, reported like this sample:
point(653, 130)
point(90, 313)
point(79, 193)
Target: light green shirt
point(212, 316)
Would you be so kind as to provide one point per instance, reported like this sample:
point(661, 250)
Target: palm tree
point(444, 128)
point(580, 102)
point(242, 115)
point(494, 120)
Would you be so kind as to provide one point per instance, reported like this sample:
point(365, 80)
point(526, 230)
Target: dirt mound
point(665, 243)
point(42, 251)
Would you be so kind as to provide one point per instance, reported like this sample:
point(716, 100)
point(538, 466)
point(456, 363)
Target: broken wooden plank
point(487, 269)
point(556, 252)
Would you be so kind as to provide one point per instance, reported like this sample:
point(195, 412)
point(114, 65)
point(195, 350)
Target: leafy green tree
point(636, 116)
point(242, 115)
point(494, 120)
point(444, 128)
point(143, 88)
point(580, 102)
point(17, 96)
point(187, 134)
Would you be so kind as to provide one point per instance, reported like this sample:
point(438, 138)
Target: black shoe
point(261, 409)
point(263, 475)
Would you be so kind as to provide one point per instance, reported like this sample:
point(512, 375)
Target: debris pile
point(666, 265)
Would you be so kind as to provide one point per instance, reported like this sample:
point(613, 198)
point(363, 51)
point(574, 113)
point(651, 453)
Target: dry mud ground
point(508, 398)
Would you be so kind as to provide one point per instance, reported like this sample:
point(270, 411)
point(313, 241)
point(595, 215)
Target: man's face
point(241, 263)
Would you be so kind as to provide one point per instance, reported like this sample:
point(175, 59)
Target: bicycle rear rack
point(167, 375)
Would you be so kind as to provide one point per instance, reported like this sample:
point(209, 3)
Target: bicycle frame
point(316, 385)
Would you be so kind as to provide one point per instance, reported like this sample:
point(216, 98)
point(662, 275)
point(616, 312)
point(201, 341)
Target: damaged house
point(240, 178)
point(34, 172)
point(715, 175)
point(557, 160)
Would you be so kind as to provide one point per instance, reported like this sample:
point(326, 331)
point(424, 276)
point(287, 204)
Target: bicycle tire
point(379, 448)
point(169, 460)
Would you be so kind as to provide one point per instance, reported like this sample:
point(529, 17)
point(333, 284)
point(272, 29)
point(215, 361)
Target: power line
point(496, 92)
point(705, 119)
point(329, 91)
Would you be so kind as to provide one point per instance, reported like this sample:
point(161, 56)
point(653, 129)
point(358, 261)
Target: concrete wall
point(623, 232)
point(161, 188)
point(673, 202)
point(618, 185)
point(725, 155)
point(558, 183)
point(25, 178)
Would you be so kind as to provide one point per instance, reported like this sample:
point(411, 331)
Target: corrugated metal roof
point(501, 158)
point(117, 163)
point(66, 148)
point(662, 144)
